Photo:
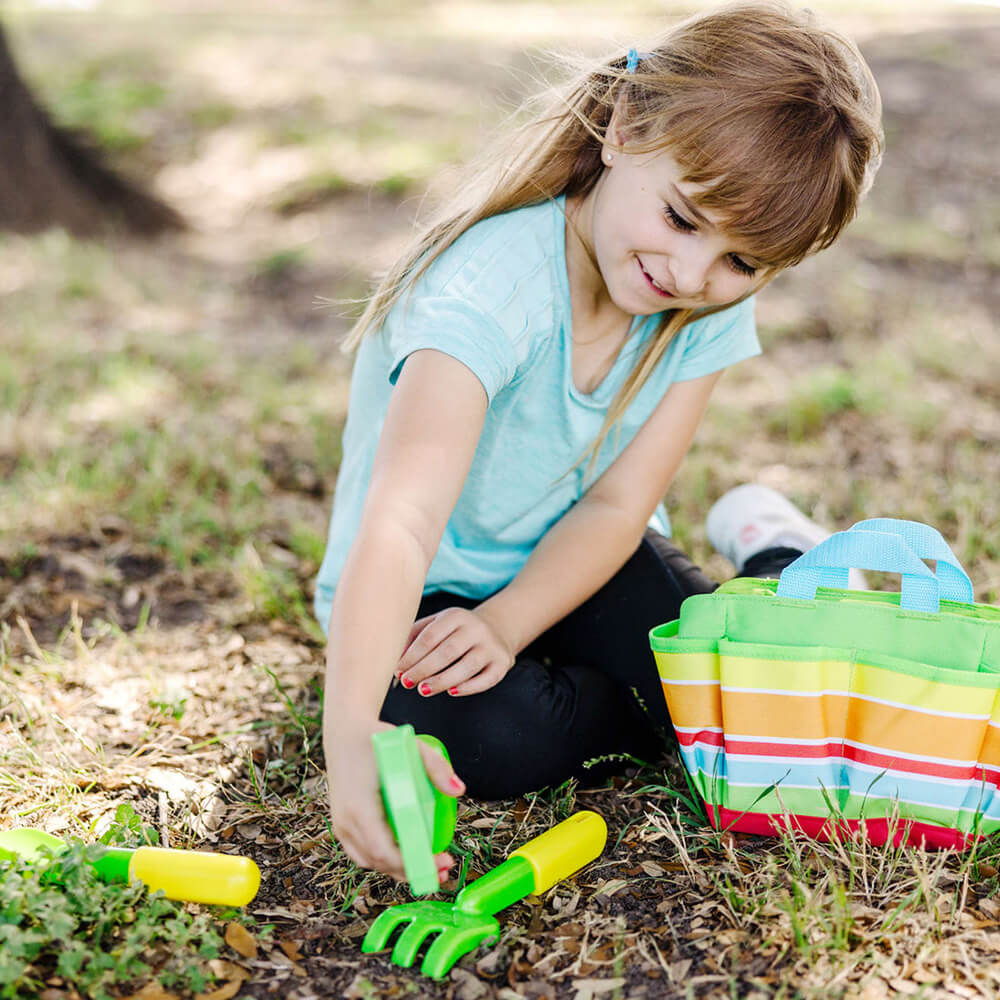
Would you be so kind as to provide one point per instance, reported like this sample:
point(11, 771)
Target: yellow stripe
point(863, 679)
point(687, 666)
point(787, 675)
point(938, 696)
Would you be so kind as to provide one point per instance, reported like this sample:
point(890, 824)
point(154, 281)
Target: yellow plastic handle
point(196, 876)
point(565, 848)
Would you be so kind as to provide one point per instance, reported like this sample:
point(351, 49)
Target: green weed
point(57, 918)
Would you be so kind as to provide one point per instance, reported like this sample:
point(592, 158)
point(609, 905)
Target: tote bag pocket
point(777, 732)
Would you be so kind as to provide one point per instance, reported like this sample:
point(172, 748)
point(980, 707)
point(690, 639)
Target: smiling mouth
point(653, 283)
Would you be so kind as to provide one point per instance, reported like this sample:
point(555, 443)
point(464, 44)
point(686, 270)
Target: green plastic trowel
point(421, 816)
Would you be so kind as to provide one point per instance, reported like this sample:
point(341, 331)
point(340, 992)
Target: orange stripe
point(693, 704)
point(791, 716)
point(787, 716)
point(914, 732)
point(990, 752)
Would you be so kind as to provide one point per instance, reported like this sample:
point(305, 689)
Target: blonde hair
point(775, 117)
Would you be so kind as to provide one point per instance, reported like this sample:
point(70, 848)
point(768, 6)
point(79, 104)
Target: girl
point(529, 378)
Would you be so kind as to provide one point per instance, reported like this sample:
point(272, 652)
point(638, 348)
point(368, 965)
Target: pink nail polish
point(406, 682)
point(425, 688)
point(452, 690)
point(457, 783)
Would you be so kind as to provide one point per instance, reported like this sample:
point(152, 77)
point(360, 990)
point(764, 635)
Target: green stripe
point(810, 802)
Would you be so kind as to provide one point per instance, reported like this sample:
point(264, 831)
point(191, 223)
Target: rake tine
point(452, 945)
point(412, 938)
point(383, 926)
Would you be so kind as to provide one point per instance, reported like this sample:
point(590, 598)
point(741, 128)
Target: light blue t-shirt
point(498, 301)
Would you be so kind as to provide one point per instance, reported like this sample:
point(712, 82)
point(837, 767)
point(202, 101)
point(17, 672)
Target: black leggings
point(584, 689)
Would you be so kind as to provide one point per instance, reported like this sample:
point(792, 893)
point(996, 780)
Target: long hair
point(776, 118)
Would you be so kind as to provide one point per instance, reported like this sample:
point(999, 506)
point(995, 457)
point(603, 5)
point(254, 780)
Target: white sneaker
point(751, 518)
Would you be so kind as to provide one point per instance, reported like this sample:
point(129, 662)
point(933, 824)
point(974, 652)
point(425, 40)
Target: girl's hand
point(456, 650)
point(356, 800)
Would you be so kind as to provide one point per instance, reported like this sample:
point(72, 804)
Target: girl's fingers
point(440, 771)
point(482, 681)
point(438, 660)
point(427, 641)
point(373, 847)
point(456, 673)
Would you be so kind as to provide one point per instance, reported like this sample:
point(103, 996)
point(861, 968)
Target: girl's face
point(655, 249)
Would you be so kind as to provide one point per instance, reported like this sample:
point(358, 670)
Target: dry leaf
point(612, 886)
point(467, 986)
point(226, 992)
point(291, 948)
point(152, 991)
point(241, 940)
point(587, 988)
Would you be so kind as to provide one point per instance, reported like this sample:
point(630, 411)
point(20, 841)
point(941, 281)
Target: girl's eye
point(678, 221)
point(740, 266)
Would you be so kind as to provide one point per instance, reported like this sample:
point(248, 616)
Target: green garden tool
point(468, 922)
point(191, 876)
point(421, 816)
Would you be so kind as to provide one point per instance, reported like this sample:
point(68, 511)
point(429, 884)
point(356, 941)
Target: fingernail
point(452, 690)
point(406, 682)
point(457, 783)
point(425, 688)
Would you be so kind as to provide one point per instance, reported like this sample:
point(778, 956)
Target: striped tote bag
point(801, 704)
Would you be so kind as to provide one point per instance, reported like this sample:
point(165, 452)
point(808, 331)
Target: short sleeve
point(718, 341)
point(457, 328)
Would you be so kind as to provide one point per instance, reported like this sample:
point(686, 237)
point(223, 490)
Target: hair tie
point(632, 61)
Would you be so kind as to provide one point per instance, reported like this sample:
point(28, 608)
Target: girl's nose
point(690, 273)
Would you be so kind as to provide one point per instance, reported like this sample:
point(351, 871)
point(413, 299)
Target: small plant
point(128, 830)
point(58, 919)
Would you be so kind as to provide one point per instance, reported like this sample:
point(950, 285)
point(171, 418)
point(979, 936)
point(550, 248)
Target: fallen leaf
point(241, 940)
point(226, 992)
point(587, 988)
point(290, 948)
point(152, 991)
point(467, 986)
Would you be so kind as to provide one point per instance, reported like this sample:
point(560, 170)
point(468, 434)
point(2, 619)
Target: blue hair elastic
point(632, 62)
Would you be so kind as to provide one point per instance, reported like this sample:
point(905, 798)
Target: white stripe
point(689, 683)
point(989, 789)
point(698, 729)
point(872, 798)
point(947, 761)
point(859, 697)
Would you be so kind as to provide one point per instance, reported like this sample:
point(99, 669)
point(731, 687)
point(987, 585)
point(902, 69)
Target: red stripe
point(878, 830)
point(702, 736)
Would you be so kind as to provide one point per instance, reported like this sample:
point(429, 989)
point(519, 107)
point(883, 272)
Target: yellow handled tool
point(469, 921)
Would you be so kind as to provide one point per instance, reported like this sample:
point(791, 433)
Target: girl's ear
point(617, 133)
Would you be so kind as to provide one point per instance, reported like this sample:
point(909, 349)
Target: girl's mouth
point(658, 288)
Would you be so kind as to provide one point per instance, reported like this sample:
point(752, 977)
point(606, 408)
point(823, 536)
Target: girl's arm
point(466, 652)
point(425, 449)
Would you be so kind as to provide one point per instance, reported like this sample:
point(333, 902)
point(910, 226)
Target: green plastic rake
point(468, 922)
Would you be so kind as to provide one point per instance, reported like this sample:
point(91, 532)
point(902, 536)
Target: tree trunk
point(50, 176)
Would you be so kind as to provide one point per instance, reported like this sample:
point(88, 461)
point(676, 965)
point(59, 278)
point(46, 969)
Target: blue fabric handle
point(882, 551)
point(927, 543)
